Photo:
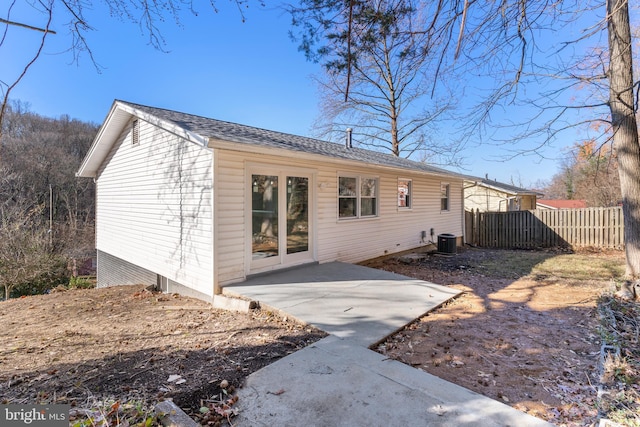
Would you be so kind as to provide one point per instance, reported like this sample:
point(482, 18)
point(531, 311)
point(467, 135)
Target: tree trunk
point(395, 144)
point(625, 127)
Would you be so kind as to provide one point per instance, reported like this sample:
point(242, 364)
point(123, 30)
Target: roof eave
point(240, 147)
point(117, 118)
point(168, 126)
point(504, 190)
point(99, 150)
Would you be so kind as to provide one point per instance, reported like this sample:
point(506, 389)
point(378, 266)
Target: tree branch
point(28, 27)
point(5, 98)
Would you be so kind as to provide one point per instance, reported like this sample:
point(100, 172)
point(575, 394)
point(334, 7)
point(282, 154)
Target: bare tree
point(46, 214)
point(501, 44)
point(625, 126)
point(149, 15)
point(25, 250)
point(389, 104)
point(8, 84)
point(25, 256)
point(587, 174)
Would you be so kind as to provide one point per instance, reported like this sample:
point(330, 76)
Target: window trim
point(359, 197)
point(409, 205)
point(447, 196)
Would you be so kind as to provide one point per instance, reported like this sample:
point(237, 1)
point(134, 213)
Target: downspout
point(463, 217)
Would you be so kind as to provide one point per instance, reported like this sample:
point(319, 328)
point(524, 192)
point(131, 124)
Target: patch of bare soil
point(127, 343)
point(528, 340)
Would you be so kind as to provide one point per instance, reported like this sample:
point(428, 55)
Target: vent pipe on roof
point(348, 141)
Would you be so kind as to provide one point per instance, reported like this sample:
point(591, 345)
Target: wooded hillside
point(46, 213)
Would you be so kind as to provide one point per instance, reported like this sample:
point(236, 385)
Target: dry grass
point(619, 391)
point(530, 328)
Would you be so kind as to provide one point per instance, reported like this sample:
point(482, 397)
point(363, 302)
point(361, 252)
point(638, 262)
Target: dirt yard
point(525, 331)
point(128, 344)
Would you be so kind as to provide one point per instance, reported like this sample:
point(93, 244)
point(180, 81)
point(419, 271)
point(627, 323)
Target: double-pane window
point(357, 197)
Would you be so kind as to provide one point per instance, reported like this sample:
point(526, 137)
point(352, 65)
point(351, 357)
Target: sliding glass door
point(280, 219)
point(265, 216)
point(297, 214)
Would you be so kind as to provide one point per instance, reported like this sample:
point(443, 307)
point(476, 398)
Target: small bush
point(82, 282)
point(43, 283)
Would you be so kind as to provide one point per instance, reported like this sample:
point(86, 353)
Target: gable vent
point(135, 132)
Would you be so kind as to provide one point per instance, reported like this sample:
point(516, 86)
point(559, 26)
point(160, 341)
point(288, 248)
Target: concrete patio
point(362, 304)
point(338, 381)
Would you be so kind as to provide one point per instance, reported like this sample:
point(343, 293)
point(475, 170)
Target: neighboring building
point(192, 204)
point(486, 195)
point(561, 204)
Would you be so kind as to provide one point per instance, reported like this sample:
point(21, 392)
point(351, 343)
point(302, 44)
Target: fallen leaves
point(129, 344)
point(525, 351)
point(220, 409)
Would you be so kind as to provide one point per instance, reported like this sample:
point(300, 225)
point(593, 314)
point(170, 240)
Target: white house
point(191, 204)
point(486, 195)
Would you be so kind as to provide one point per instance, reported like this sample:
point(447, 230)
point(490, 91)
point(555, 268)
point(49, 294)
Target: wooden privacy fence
point(588, 227)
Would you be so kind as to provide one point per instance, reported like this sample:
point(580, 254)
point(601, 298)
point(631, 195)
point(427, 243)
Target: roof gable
point(206, 131)
point(505, 188)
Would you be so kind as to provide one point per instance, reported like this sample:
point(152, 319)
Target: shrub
point(82, 282)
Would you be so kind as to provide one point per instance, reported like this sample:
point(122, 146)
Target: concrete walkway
point(338, 381)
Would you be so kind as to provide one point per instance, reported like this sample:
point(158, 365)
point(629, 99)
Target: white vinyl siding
point(154, 206)
point(230, 223)
point(392, 230)
point(488, 199)
point(335, 240)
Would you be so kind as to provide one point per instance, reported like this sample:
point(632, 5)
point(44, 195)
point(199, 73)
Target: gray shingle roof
point(241, 134)
point(505, 187)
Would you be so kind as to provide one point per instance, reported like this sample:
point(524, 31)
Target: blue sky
point(216, 66)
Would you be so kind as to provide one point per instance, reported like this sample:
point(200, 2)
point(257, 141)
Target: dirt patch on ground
point(127, 343)
point(521, 333)
point(524, 332)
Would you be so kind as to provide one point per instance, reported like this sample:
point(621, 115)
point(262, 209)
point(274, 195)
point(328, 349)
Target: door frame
point(282, 260)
